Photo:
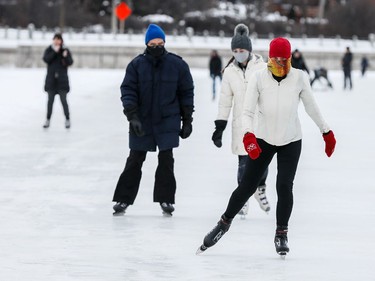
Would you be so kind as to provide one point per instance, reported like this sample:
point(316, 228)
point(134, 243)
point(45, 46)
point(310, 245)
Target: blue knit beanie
point(154, 31)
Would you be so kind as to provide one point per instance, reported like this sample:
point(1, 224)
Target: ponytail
point(229, 62)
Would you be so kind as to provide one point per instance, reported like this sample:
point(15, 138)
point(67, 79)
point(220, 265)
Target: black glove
point(135, 123)
point(218, 133)
point(186, 129)
point(187, 119)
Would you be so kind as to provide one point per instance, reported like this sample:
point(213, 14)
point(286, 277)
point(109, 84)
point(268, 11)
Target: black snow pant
point(51, 99)
point(165, 182)
point(287, 162)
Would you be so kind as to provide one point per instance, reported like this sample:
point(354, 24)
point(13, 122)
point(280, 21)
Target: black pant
point(348, 76)
point(287, 162)
point(51, 99)
point(242, 160)
point(165, 182)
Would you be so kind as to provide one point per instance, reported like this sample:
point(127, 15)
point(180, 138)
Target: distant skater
point(58, 58)
point(215, 70)
point(321, 72)
point(364, 65)
point(346, 63)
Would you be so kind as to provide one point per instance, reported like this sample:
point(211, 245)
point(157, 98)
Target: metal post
point(62, 15)
point(113, 18)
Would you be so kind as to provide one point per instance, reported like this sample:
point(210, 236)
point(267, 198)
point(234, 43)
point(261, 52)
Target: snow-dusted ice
point(56, 218)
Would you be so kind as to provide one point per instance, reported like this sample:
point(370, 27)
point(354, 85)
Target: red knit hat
point(280, 47)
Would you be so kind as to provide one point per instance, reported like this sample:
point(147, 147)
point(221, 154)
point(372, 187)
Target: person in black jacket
point(364, 65)
point(58, 58)
point(298, 61)
point(157, 95)
point(215, 70)
point(346, 63)
point(321, 72)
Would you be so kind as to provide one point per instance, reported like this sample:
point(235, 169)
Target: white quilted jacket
point(277, 102)
point(233, 90)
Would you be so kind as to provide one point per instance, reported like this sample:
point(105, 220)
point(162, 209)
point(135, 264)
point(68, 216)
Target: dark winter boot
point(46, 124)
point(167, 208)
point(67, 123)
point(215, 234)
point(120, 208)
point(281, 240)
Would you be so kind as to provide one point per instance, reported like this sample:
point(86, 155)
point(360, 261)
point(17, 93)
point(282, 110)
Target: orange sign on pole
point(123, 11)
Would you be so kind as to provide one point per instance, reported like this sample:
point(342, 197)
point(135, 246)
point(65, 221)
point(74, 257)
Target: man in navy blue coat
point(157, 94)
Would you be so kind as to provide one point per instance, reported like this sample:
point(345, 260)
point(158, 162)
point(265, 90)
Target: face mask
point(279, 69)
point(156, 51)
point(241, 57)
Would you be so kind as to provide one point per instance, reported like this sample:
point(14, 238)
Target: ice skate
point(281, 241)
point(67, 123)
point(120, 208)
point(167, 209)
point(245, 209)
point(215, 234)
point(260, 196)
point(46, 124)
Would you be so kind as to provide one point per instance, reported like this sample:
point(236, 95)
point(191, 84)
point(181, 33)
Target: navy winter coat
point(57, 70)
point(159, 89)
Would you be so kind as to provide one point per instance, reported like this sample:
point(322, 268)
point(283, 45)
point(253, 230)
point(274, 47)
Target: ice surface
point(57, 185)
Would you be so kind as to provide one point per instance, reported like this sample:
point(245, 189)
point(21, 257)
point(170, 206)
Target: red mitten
point(330, 141)
point(251, 145)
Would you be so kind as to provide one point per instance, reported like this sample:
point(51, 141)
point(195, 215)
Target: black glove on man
point(135, 123)
point(218, 133)
point(187, 119)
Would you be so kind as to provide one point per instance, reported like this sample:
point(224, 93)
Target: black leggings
point(287, 162)
point(51, 99)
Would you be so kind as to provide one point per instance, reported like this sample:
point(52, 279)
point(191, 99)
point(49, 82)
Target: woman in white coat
point(277, 92)
point(233, 90)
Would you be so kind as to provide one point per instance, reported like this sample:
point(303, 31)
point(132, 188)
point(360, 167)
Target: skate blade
point(166, 214)
point(118, 214)
point(282, 255)
point(200, 250)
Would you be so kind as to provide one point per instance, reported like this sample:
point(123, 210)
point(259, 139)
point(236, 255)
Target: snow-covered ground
point(56, 218)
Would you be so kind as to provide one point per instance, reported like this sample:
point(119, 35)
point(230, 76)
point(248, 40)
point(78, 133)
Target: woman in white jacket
point(233, 89)
point(277, 92)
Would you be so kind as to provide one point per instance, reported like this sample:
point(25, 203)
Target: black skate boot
point(120, 208)
point(215, 234)
point(167, 209)
point(281, 240)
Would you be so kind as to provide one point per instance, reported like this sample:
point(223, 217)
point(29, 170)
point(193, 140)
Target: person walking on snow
point(235, 81)
point(215, 65)
point(277, 91)
point(157, 95)
point(58, 58)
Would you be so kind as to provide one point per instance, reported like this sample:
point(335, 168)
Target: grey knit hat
point(241, 38)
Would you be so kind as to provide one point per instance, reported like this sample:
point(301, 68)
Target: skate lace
point(262, 196)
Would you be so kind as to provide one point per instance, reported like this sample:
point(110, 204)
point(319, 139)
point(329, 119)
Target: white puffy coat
point(233, 90)
point(277, 102)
